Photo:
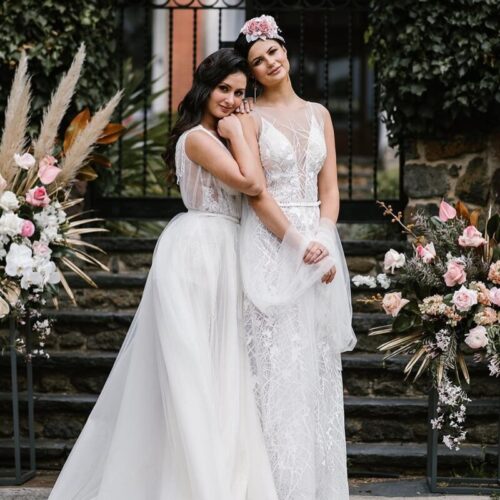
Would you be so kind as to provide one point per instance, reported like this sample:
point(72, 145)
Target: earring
point(254, 91)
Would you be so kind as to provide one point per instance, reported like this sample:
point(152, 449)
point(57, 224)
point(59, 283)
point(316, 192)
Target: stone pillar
point(458, 169)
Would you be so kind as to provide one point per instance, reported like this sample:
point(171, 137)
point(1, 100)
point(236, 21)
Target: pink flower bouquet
point(445, 304)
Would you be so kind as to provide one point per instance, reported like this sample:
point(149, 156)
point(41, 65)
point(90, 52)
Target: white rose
point(9, 201)
point(464, 299)
point(25, 161)
point(477, 337)
point(18, 259)
point(393, 260)
point(10, 224)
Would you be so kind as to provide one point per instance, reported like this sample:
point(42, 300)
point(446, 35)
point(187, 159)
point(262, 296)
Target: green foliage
point(51, 31)
point(438, 65)
point(133, 145)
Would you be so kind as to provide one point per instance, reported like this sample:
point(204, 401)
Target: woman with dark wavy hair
point(177, 419)
point(297, 309)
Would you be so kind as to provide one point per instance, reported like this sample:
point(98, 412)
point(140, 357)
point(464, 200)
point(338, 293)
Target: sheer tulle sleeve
point(275, 275)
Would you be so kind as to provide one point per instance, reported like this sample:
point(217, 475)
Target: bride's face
point(227, 95)
point(269, 62)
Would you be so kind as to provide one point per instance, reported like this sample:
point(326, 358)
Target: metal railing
point(329, 64)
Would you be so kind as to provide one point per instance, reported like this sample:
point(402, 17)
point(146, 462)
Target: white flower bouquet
point(445, 303)
point(38, 237)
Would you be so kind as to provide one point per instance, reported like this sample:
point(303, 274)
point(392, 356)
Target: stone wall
point(458, 169)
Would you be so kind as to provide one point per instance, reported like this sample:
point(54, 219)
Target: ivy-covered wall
point(438, 64)
point(50, 31)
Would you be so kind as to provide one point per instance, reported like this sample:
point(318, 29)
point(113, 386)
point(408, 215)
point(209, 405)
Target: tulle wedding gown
point(177, 419)
point(296, 326)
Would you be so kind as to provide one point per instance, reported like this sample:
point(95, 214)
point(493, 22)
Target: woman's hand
point(328, 277)
point(230, 128)
point(246, 105)
point(315, 252)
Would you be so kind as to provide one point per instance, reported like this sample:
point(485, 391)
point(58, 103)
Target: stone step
point(389, 458)
point(105, 328)
point(126, 245)
point(364, 374)
point(367, 419)
point(123, 290)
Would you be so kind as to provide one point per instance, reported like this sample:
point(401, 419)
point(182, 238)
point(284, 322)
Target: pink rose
point(494, 272)
point(477, 337)
point(427, 253)
point(446, 211)
point(27, 229)
point(495, 296)
point(393, 260)
point(47, 171)
point(393, 302)
point(37, 197)
point(455, 274)
point(471, 237)
point(464, 299)
point(41, 249)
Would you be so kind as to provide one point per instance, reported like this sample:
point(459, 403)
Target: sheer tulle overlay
point(177, 419)
point(296, 326)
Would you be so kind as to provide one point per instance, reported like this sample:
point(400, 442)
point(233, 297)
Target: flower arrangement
point(38, 237)
point(444, 301)
point(261, 28)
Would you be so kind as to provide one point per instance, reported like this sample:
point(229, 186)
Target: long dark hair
point(211, 71)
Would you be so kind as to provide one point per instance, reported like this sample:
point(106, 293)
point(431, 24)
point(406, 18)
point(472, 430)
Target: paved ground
point(361, 489)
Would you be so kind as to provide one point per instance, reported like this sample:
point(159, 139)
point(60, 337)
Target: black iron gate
point(329, 64)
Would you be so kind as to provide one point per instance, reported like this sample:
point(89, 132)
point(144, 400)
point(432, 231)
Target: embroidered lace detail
point(298, 378)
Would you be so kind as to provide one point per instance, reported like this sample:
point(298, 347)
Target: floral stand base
point(460, 485)
point(16, 474)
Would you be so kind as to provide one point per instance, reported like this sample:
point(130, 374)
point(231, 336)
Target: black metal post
point(18, 476)
point(460, 485)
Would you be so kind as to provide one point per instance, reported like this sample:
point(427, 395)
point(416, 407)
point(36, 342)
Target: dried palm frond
point(83, 144)
point(73, 267)
point(16, 121)
point(59, 103)
point(414, 359)
point(379, 330)
point(463, 367)
point(66, 287)
point(406, 340)
point(423, 366)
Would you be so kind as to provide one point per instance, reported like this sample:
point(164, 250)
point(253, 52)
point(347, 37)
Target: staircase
point(386, 417)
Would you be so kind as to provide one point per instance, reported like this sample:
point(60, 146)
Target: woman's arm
point(241, 172)
point(328, 188)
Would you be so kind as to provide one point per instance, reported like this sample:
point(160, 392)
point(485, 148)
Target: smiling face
point(269, 62)
point(227, 95)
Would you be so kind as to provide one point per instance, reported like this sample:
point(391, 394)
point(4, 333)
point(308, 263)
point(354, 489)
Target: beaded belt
point(300, 204)
point(213, 214)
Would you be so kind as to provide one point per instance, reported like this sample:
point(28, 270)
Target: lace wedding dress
point(177, 419)
point(296, 326)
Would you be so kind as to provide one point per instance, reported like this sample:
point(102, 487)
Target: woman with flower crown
point(177, 418)
point(297, 308)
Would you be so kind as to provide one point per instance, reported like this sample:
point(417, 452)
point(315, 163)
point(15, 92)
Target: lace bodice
point(200, 190)
point(292, 151)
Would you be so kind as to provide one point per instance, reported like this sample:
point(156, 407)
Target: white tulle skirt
point(176, 419)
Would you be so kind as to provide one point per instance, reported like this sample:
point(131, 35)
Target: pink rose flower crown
point(261, 28)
